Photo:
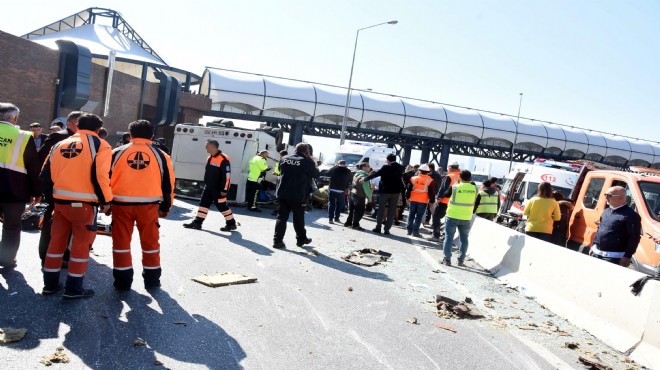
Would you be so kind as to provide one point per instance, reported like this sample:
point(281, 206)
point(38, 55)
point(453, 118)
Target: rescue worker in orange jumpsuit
point(76, 178)
point(420, 192)
point(217, 180)
point(440, 209)
point(141, 162)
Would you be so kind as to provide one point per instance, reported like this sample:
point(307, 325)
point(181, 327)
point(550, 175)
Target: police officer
point(217, 180)
point(462, 196)
point(139, 162)
point(298, 171)
point(257, 166)
point(76, 177)
point(19, 180)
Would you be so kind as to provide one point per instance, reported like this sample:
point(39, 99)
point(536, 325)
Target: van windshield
point(651, 193)
point(351, 159)
point(479, 177)
point(533, 188)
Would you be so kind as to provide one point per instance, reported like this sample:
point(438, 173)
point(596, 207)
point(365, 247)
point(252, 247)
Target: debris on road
point(450, 308)
point(367, 257)
point(9, 335)
point(158, 363)
point(57, 357)
point(413, 321)
point(445, 327)
point(594, 363)
point(572, 345)
point(224, 279)
point(181, 323)
point(350, 288)
point(139, 342)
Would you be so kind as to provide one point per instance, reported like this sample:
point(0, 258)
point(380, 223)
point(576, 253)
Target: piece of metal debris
point(450, 308)
point(139, 342)
point(572, 345)
point(9, 335)
point(224, 279)
point(594, 363)
point(445, 327)
point(57, 357)
point(413, 321)
point(350, 288)
point(367, 257)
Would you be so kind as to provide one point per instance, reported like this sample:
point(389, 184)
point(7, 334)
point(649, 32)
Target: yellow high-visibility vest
point(487, 203)
point(12, 146)
point(462, 201)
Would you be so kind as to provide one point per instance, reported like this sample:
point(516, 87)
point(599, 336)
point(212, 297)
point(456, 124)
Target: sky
point(589, 64)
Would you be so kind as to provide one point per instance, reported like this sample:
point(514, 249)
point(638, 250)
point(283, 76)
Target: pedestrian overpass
point(301, 107)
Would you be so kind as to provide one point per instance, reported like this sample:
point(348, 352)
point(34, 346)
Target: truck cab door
point(588, 208)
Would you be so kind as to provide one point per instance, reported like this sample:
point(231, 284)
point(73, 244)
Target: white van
point(354, 153)
point(522, 184)
point(189, 156)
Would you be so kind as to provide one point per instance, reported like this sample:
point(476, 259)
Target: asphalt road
point(305, 311)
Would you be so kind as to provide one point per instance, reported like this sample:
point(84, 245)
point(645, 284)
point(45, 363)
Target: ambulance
point(522, 183)
point(189, 155)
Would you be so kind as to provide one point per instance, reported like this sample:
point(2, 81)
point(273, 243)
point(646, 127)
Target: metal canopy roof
point(266, 96)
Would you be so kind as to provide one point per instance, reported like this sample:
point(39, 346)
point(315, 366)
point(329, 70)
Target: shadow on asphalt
point(342, 266)
point(101, 330)
point(237, 238)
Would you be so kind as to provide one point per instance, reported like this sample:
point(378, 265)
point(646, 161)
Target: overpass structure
point(301, 107)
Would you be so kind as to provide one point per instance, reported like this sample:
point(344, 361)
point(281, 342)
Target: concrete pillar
point(426, 152)
point(407, 151)
point(444, 156)
point(296, 134)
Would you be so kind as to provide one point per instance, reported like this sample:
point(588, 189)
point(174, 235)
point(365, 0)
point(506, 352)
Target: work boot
point(433, 239)
point(74, 289)
point(123, 279)
point(446, 262)
point(386, 231)
point(279, 245)
point(193, 225)
point(461, 263)
point(228, 227)
point(51, 283)
point(331, 222)
point(377, 230)
point(417, 235)
point(357, 228)
point(307, 241)
point(151, 278)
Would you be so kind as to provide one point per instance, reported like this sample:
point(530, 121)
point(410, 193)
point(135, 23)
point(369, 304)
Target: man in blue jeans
point(462, 197)
point(340, 178)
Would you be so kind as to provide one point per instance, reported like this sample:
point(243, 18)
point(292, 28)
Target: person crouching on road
point(217, 180)
point(421, 191)
point(76, 177)
point(542, 211)
point(139, 162)
point(298, 171)
point(462, 196)
point(359, 194)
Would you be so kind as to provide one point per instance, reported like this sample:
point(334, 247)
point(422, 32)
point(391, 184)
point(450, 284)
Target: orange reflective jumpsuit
point(76, 178)
point(142, 181)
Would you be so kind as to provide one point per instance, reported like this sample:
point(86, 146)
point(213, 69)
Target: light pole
point(342, 137)
point(515, 138)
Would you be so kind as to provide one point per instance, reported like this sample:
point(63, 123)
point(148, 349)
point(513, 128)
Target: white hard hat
point(424, 167)
point(455, 164)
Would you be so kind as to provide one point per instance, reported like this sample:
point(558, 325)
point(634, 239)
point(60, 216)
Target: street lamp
point(350, 81)
point(515, 138)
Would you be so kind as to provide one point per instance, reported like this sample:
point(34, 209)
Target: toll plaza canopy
point(278, 98)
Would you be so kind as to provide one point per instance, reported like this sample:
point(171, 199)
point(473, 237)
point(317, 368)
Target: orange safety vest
point(217, 162)
point(420, 188)
point(453, 176)
point(80, 168)
point(141, 174)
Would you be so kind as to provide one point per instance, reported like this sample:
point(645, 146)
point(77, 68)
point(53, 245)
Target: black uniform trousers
point(251, 191)
point(11, 232)
point(439, 211)
point(285, 208)
point(209, 198)
point(356, 208)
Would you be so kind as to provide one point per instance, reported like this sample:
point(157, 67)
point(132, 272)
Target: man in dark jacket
point(298, 170)
point(54, 138)
point(217, 179)
point(391, 187)
point(619, 230)
point(340, 178)
point(19, 180)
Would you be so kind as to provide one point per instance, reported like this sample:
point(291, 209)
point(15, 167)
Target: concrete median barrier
point(647, 352)
point(590, 293)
